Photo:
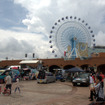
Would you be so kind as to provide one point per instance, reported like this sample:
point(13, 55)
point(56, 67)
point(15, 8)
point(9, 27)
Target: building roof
point(28, 61)
point(99, 47)
point(95, 50)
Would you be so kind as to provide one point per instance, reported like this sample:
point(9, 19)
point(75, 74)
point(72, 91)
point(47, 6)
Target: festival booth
point(31, 63)
point(29, 74)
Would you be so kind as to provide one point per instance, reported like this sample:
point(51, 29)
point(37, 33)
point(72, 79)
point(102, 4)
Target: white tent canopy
point(29, 61)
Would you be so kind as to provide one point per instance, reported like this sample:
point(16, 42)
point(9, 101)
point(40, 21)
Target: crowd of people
point(97, 87)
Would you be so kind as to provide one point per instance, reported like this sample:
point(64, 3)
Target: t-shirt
point(8, 79)
point(102, 77)
point(99, 90)
point(91, 80)
point(17, 82)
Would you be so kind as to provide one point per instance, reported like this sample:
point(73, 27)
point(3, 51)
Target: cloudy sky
point(25, 24)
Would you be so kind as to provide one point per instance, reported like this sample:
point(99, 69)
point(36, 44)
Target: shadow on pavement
point(97, 103)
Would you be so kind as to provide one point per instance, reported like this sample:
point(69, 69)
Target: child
point(17, 85)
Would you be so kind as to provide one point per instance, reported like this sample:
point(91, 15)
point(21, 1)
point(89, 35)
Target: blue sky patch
point(11, 15)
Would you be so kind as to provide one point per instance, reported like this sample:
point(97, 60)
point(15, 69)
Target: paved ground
point(58, 93)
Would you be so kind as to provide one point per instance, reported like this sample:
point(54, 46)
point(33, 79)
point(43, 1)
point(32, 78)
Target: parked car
point(60, 77)
point(1, 71)
point(45, 77)
point(13, 73)
point(81, 79)
point(16, 67)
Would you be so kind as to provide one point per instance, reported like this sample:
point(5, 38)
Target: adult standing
point(102, 75)
point(8, 81)
point(92, 81)
point(98, 88)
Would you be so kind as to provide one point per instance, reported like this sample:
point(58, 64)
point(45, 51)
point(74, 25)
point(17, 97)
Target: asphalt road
point(58, 93)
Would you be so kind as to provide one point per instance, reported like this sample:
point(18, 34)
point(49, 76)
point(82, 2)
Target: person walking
point(92, 81)
point(8, 82)
point(17, 85)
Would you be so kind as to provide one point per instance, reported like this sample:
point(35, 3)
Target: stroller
point(6, 91)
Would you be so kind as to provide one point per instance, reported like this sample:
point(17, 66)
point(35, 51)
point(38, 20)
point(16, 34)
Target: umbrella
point(26, 69)
point(75, 69)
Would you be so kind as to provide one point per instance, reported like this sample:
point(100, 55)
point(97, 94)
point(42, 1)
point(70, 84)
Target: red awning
point(15, 68)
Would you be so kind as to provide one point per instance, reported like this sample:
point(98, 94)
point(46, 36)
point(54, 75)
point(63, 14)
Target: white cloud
point(15, 45)
point(33, 4)
point(100, 38)
point(34, 25)
point(101, 2)
point(42, 14)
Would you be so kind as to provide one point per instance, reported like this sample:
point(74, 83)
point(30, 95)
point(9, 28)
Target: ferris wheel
point(71, 36)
